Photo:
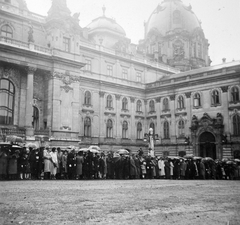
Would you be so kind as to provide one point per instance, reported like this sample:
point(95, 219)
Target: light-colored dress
point(161, 166)
point(47, 161)
point(54, 163)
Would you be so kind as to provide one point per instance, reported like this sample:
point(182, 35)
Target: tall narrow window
point(6, 31)
point(109, 101)
point(139, 106)
point(109, 70)
point(215, 97)
point(125, 73)
point(66, 44)
point(236, 125)
point(7, 94)
point(124, 129)
point(35, 122)
point(87, 127)
point(153, 127)
point(87, 98)
point(88, 65)
point(165, 104)
point(109, 129)
point(180, 102)
point(139, 77)
point(139, 130)
point(151, 106)
point(124, 104)
point(181, 128)
point(235, 94)
point(166, 129)
point(197, 100)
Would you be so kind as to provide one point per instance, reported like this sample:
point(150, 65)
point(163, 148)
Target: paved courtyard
point(120, 202)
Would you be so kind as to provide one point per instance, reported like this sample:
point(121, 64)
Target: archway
point(207, 145)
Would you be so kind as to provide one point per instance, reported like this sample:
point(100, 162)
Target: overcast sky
point(220, 19)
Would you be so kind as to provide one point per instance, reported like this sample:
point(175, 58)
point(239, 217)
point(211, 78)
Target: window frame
point(87, 127)
point(124, 129)
point(139, 106)
point(166, 130)
point(109, 129)
point(87, 98)
point(124, 104)
point(139, 130)
point(236, 125)
point(66, 44)
point(109, 101)
point(5, 33)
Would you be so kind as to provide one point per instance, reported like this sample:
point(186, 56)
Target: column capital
point(117, 96)
point(101, 94)
point(132, 99)
point(224, 89)
point(188, 94)
point(172, 97)
point(158, 99)
point(31, 69)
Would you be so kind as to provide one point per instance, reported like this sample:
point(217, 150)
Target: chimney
point(224, 60)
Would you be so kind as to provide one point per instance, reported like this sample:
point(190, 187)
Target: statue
point(219, 118)
point(30, 34)
point(194, 121)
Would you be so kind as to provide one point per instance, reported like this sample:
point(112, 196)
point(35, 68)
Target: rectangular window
point(109, 70)
point(139, 77)
point(88, 65)
point(66, 44)
point(125, 73)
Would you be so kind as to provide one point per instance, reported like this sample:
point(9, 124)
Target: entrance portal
point(207, 145)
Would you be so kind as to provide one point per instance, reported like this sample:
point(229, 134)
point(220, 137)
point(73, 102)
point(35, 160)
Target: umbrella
point(197, 157)
point(31, 145)
point(94, 147)
point(15, 139)
point(122, 151)
point(208, 159)
point(189, 156)
point(94, 150)
point(237, 160)
point(83, 150)
point(230, 162)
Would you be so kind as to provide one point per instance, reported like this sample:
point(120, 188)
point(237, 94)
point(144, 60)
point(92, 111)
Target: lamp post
point(150, 137)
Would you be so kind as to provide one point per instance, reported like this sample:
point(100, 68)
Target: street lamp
point(150, 137)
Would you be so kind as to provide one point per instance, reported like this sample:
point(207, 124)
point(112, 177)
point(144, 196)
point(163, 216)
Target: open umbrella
point(14, 138)
point(83, 150)
point(31, 145)
point(93, 150)
point(208, 159)
point(197, 157)
point(123, 151)
point(94, 147)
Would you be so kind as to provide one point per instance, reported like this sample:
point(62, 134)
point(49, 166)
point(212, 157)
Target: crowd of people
point(54, 163)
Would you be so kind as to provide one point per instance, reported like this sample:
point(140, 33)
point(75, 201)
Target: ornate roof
point(172, 15)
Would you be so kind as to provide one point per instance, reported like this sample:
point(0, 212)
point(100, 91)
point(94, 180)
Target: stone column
point(132, 130)
point(173, 119)
point(29, 102)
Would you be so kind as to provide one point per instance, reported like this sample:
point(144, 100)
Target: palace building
point(62, 85)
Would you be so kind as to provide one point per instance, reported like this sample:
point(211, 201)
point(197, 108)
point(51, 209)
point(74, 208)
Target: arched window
point(139, 106)
point(215, 97)
point(35, 122)
point(87, 127)
point(124, 129)
point(87, 98)
point(236, 125)
point(6, 31)
point(197, 100)
point(151, 106)
point(165, 104)
point(109, 101)
point(181, 128)
point(180, 102)
point(139, 130)
point(7, 94)
point(109, 129)
point(166, 129)
point(124, 104)
point(234, 94)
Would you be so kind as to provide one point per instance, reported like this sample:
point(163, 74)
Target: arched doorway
point(207, 145)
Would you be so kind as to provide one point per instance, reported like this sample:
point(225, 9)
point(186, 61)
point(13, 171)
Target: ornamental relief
point(66, 78)
point(11, 74)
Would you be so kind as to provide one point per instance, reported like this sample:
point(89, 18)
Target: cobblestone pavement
point(197, 202)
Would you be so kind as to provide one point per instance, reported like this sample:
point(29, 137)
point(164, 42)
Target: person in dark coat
point(4, 153)
point(102, 166)
point(89, 165)
point(35, 163)
point(96, 166)
point(71, 165)
point(138, 167)
point(167, 168)
point(133, 169)
point(110, 166)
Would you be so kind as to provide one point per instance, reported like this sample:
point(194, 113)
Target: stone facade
point(78, 86)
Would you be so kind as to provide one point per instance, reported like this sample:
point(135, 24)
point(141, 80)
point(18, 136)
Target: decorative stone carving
point(158, 99)
point(224, 89)
point(178, 50)
point(30, 33)
point(132, 99)
point(194, 122)
point(10, 73)
point(219, 118)
point(101, 94)
point(66, 78)
point(117, 97)
point(172, 97)
point(188, 94)
point(66, 88)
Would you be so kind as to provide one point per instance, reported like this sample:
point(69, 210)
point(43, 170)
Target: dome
point(171, 15)
point(104, 23)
